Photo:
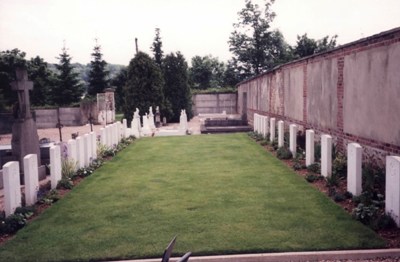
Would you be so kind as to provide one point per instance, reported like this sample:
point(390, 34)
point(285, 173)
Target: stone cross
point(22, 86)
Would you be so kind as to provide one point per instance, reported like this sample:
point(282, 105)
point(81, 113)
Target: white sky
point(194, 27)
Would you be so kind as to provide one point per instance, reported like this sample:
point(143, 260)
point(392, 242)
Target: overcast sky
point(194, 27)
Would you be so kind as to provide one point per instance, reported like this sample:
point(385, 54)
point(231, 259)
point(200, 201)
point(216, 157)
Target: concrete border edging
point(294, 256)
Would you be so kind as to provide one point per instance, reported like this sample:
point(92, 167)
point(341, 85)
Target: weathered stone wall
point(351, 93)
point(48, 118)
point(214, 103)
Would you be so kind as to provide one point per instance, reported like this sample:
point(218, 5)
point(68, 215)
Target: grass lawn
point(219, 193)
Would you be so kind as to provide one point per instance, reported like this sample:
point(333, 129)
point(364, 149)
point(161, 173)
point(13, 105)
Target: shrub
point(301, 141)
point(84, 171)
point(65, 183)
point(317, 152)
point(49, 198)
point(373, 178)
point(339, 165)
point(284, 153)
point(286, 139)
point(338, 197)
point(274, 144)
point(332, 181)
point(315, 168)
point(16, 221)
point(264, 142)
point(311, 178)
point(365, 213)
point(68, 167)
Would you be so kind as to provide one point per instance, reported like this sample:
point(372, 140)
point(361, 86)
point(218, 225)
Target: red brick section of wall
point(340, 137)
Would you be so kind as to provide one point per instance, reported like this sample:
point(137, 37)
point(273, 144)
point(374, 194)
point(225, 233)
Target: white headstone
point(293, 139)
point(266, 126)
point(12, 187)
point(151, 119)
point(392, 194)
point(94, 145)
point(109, 136)
point(72, 151)
point(31, 178)
point(135, 128)
point(103, 137)
point(326, 155)
point(114, 134)
point(310, 147)
point(146, 127)
point(55, 165)
point(183, 125)
point(119, 131)
point(87, 149)
point(281, 131)
point(272, 129)
point(125, 132)
point(354, 171)
point(80, 152)
point(255, 122)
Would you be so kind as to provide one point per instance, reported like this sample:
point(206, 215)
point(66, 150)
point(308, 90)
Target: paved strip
point(293, 256)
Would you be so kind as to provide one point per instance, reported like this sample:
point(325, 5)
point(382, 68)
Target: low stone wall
point(48, 118)
point(214, 103)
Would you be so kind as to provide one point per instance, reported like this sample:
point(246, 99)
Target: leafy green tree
point(206, 72)
point(9, 61)
point(144, 86)
point(98, 74)
point(176, 89)
point(231, 75)
point(307, 46)
point(43, 79)
point(157, 48)
point(68, 89)
point(118, 82)
point(255, 47)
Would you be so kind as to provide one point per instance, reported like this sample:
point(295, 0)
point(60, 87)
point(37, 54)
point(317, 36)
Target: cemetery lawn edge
point(220, 194)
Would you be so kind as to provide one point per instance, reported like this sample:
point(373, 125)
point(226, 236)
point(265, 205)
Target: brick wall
point(351, 93)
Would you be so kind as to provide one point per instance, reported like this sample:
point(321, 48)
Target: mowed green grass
point(219, 194)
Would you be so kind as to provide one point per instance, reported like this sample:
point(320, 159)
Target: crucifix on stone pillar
point(25, 139)
point(22, 85)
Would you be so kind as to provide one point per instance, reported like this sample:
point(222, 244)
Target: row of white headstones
point(82, 151)
point(264, 125)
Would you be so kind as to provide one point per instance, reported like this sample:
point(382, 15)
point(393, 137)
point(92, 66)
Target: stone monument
point(158, 117)
point(25, 139)
point(151, 119)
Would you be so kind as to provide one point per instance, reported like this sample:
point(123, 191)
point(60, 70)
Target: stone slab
point(55, 165)
point(281, 131)
point(310, 157)
point(293, 139)
point(31, 178)
point(392, 205)
point(326, 155)
point(354, 169)
point(12, 187)
point(272, 129)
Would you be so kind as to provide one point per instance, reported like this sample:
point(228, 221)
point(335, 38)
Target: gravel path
point(67, 131)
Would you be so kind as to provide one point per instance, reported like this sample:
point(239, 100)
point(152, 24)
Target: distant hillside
point(83, 71)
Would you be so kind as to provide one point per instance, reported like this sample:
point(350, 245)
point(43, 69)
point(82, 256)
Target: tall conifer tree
point(68, 89)
point(98, 74)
